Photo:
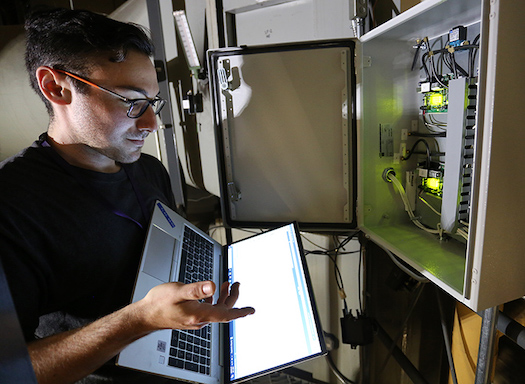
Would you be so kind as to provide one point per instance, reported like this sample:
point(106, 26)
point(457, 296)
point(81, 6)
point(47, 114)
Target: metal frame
point(166, 115)
point(487, 345)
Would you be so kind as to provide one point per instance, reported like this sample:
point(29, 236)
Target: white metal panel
point(300, 20)
point(499, 263)
point(239, 6)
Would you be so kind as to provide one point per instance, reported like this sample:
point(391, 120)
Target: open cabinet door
point(285, 126)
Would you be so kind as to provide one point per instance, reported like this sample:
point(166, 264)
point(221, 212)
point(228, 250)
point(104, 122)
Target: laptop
point(273, 276)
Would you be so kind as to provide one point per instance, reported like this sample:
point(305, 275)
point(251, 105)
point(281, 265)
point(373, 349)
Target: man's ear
point(54, 85)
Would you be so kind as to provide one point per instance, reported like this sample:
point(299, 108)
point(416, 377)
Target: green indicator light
point(432, 185)
point(436, 99)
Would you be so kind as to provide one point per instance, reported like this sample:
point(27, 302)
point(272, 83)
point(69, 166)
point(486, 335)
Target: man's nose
point(148, 121)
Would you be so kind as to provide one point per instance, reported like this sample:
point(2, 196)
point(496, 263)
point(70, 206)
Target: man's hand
point(190, 306)
point(67, 357)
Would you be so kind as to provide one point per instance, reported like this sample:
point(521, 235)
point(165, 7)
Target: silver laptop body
point(176, 250)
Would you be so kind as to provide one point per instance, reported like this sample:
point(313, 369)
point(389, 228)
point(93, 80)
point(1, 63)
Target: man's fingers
point(233, 296)
point(224, 315)
point(190, 306)
point(228, 295)
point(206, 312)
point(224, 292)
point(242, 312)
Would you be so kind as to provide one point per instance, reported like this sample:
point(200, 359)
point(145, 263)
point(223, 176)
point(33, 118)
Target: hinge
point(235, 194)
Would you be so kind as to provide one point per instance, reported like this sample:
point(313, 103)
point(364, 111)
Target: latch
point(193, 103)
point(223, 78)
point(235, 194)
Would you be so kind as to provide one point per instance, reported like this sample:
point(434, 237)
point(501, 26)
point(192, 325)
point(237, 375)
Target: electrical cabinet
point(411, 134)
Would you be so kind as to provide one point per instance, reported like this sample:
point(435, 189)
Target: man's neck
point(79, 155)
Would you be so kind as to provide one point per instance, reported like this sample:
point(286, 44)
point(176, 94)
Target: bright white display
point(283, 329)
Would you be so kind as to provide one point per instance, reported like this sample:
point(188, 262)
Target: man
point(74, 206)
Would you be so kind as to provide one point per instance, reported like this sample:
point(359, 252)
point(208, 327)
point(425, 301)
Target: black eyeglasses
point(137, 107)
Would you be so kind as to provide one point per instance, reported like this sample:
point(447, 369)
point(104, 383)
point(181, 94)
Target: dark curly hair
point(74, 40)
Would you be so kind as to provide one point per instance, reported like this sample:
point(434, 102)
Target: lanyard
point(140, 198)
point(67, 168)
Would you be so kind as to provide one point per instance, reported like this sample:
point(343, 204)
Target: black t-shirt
point(70, 238)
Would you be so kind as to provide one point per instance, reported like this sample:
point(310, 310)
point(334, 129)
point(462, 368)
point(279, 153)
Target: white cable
point(415, 275)
point(462, 233)
point(439, 231)
point(408, 208)
point(432, 124)
point(435, 121)
point(431, 207)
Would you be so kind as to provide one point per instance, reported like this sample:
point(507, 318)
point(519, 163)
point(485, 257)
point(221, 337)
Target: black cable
point(332, 255)
point(441, 57)
point(414, 147)
point(474, 53)
point(448, 58)
point(447, 62)
point(337, 372)
point(412, 305)
point(414, 61)
point(341, 245)
point(454, 65)
point(337, 273)
point(406, 365)
point(424, 65)
point(470, 66)
point(421, 134)
point(432, 154)
point(341, 285)
point(457, 66)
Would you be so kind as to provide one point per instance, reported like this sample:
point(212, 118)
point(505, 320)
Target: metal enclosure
point(484, 270)
point(464, 235)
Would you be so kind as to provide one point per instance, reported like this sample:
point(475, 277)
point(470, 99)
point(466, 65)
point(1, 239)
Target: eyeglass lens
point(138, 107)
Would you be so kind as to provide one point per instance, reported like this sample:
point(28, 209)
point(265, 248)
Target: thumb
point(198, 291)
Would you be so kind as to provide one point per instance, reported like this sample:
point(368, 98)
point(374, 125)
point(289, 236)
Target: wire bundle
point(397, 184)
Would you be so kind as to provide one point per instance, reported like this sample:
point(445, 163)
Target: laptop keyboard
point(190, 349)
point(197, 258)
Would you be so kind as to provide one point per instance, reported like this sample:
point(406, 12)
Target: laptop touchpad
point(161, 247)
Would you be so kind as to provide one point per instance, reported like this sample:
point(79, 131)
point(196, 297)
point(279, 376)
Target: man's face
point(100, 121)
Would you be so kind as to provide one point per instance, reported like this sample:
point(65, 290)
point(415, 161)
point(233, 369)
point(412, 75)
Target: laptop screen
point(274, 280)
